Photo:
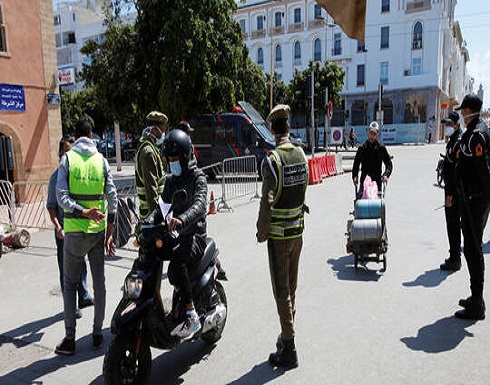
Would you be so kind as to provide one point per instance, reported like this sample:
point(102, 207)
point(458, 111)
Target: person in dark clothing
point(473, 181)
point(371, 154)
point(451, 203)
point(188, 218)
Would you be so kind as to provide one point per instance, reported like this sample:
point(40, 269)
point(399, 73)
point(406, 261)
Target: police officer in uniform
point(149, 169)
point(451, 203)
point(280, 223)
point(473, 181)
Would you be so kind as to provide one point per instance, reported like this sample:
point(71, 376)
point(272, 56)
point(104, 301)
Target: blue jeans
point(82, 289)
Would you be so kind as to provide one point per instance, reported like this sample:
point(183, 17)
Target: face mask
point(175, 168)
point(160, 140)
point(449, 130)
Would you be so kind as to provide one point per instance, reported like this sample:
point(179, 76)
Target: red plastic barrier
point(331, 165)
point(315, 175)
point(323, 166)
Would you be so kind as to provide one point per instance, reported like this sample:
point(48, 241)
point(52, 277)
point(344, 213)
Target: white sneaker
point(190, 327)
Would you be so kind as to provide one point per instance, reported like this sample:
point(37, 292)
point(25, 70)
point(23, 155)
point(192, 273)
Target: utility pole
point(312, 136)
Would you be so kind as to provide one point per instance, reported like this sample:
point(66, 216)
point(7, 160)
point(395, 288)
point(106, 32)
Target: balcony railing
point(295, 27)
point(315, 23)
point(257, 34)
point(418, 6)
point(279, 30)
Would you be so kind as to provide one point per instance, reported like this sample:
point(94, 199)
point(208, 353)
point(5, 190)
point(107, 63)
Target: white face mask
point(159, 141)
point(449, 130)
point(175, 168)
point(463, 117)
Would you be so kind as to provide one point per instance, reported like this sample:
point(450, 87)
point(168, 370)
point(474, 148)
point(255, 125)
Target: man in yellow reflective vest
point(281, 223)
point(149, 171)
point(84, 183)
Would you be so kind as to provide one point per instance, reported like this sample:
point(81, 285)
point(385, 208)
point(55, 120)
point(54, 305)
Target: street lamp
point(272, 27)
point(325, 129)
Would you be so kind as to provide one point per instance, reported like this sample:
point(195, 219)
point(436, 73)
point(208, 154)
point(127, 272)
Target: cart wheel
point(356, 261)
point(384, 264)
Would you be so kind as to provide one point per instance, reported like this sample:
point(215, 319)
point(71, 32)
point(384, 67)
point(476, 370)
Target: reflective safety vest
point(287, 219)
point(86, 185)
point(140, 184)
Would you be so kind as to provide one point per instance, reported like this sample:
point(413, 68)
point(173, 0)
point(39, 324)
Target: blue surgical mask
point(175, 168)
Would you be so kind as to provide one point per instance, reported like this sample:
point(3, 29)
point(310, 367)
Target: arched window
point(278, 54)
point(297, 51)
point(417, 36)
point(317, 50)
point(260, 56)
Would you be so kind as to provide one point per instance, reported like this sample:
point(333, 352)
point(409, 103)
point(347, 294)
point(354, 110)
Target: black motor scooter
point(141, 321)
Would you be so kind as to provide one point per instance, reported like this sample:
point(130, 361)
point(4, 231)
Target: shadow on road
point(442, 336)
point(430, 278)
point(31, 373)
point(169, 367)
point(30, 332)
point(259, 374)
point(344, 270)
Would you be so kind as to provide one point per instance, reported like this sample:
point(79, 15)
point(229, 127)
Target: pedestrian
point(473, 181)
point(84, 183)
point(370, 156)
point(56, 216)
point(280, 223)
point(451, 199)
point(352, 137)
point(149, 168)
point(189, 218)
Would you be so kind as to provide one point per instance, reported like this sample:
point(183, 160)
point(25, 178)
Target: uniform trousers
point(474, 216)
point(76, 246)
point(453, 226)
point(283, 266)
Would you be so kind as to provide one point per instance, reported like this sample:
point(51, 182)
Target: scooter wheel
point(123, 366)
point(215, 334)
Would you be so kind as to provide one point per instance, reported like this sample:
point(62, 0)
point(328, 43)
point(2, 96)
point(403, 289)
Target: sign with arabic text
point(12, 98)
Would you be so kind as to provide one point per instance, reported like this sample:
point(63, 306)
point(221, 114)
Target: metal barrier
point(239, 179)
point(6, 199)
point(29, 208)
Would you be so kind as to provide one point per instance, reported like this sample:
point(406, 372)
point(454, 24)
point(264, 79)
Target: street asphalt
point(352, 327)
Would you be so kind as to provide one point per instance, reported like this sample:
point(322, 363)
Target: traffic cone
point(212, 204)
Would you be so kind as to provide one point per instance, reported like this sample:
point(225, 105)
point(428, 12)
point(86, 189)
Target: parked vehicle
point(227, 135)
point(141, 320)
point(107, 145)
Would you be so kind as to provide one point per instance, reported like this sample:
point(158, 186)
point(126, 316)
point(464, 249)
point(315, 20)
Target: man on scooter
point(189, 218)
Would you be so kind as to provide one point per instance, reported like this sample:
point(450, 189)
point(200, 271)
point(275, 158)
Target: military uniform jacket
point(452, 147)
point(270, 190)
point(473, 161)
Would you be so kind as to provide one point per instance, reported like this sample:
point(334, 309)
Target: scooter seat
point(199, 267)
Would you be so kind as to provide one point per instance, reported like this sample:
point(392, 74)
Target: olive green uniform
point(150, 176)
point(281, 223)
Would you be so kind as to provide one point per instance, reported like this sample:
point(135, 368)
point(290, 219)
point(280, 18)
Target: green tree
point(328, 75)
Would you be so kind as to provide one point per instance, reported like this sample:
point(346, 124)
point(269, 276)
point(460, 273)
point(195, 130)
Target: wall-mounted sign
point(53, 98)
point(65, 76)
point(12, 98)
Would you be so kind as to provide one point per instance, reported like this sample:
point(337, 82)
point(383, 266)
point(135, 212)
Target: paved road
point(353, 327)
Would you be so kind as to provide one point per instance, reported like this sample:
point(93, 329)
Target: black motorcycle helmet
point(177, 142)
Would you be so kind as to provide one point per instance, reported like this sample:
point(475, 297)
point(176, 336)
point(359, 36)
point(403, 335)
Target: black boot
point(465, 302)
point(475, 310)
point(286, 356)
point(451, 264)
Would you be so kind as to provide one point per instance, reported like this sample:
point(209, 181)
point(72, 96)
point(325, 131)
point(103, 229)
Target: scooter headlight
point(133, 286)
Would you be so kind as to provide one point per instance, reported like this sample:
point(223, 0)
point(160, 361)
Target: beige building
point(30, 119)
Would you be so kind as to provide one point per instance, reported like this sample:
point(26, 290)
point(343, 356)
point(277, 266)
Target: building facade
point(414, 49)
point(30, 120)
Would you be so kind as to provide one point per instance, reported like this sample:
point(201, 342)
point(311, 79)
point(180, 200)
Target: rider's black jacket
point(192, 213)
point(450, 163)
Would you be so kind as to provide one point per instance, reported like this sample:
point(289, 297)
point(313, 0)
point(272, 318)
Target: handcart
point(367, 236)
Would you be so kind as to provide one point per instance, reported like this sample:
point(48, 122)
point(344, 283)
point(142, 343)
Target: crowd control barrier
point(6, 199)
point(239, 178)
